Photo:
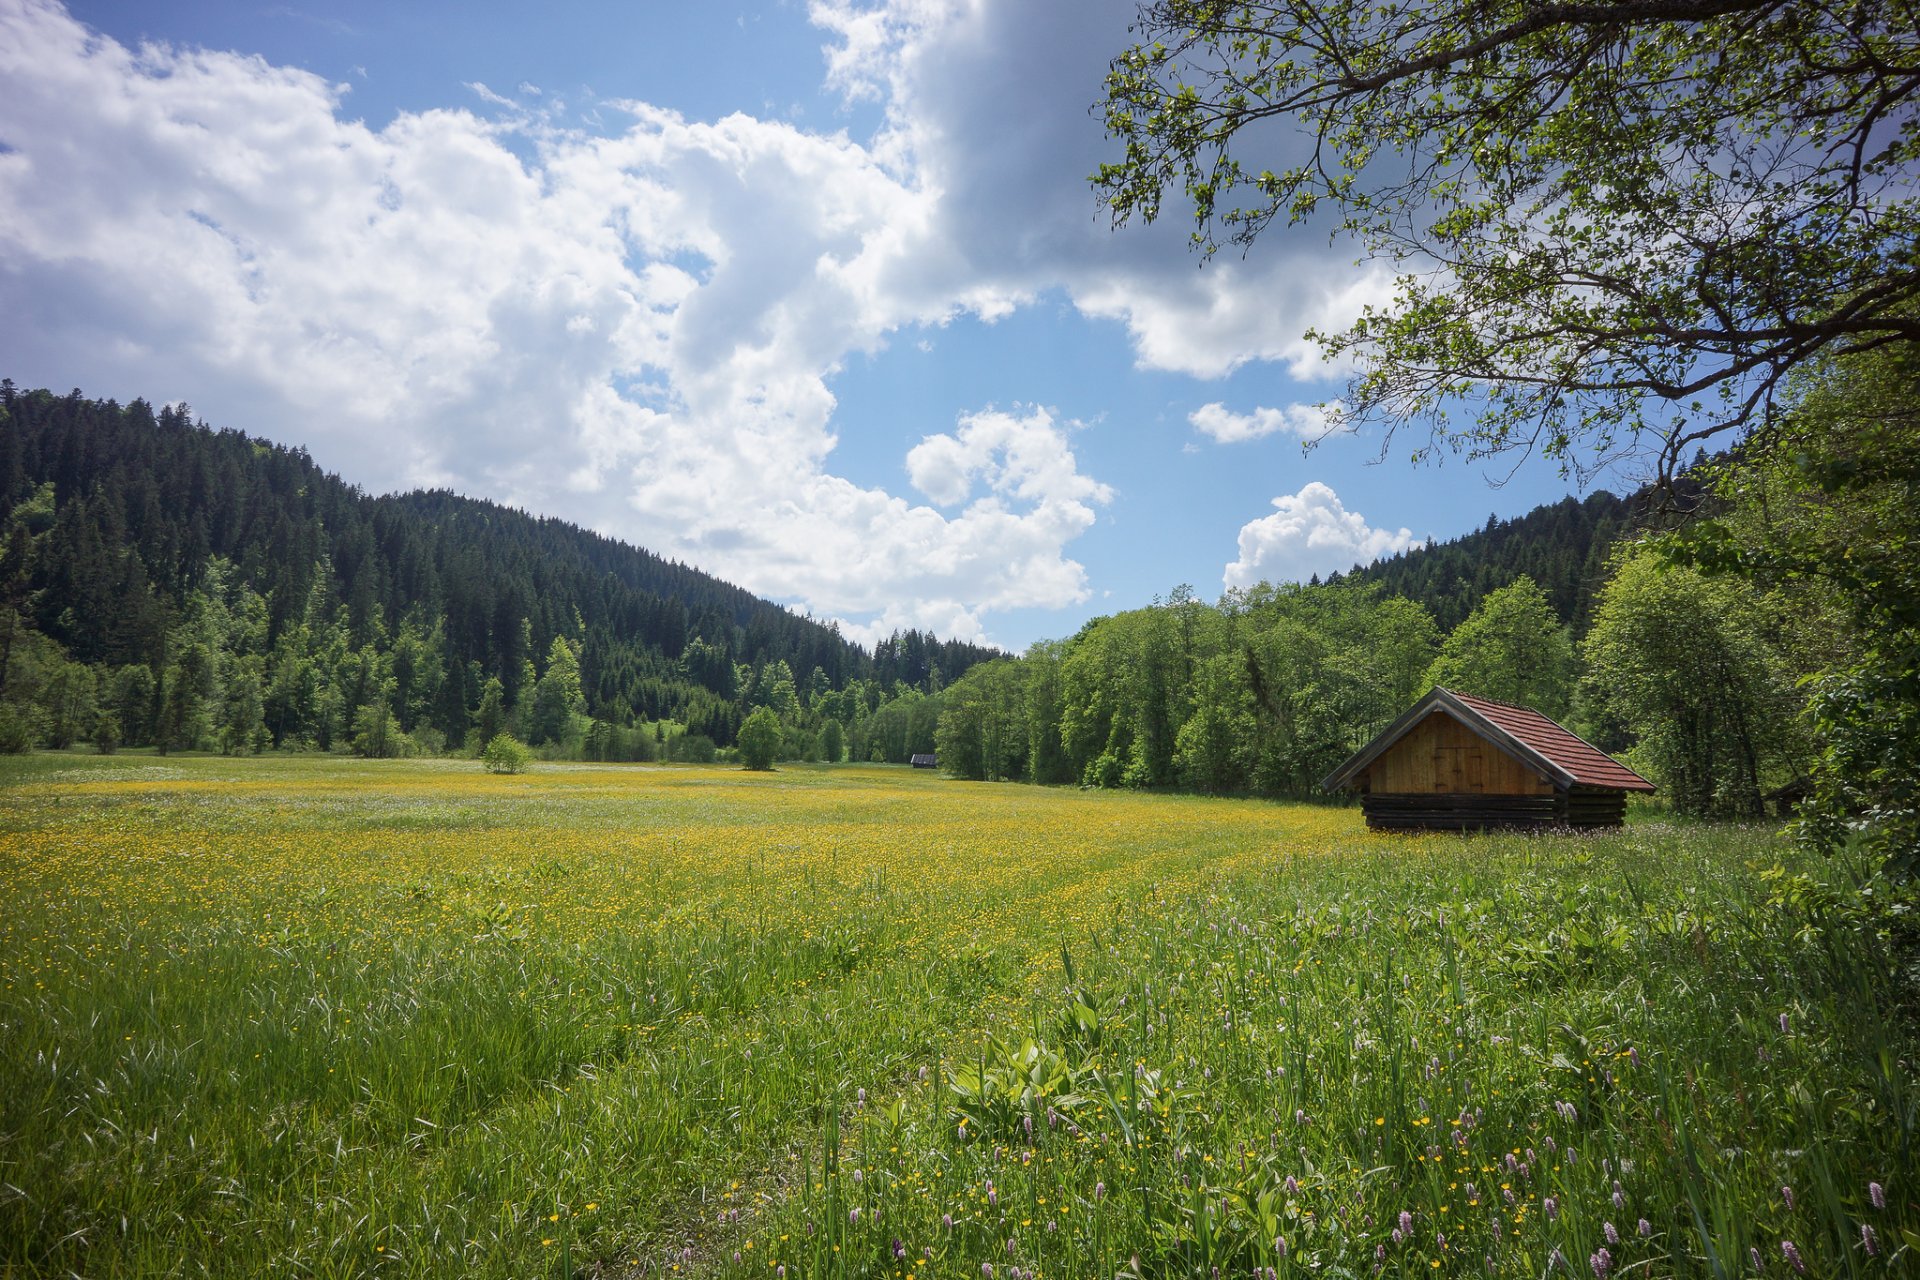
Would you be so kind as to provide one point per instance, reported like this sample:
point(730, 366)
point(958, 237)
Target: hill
point(1562, 546)
point(139, 537)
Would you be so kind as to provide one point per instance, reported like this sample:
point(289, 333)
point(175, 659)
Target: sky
point(813, 296)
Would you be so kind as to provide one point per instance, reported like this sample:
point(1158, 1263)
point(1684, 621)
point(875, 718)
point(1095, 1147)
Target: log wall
point(1578, 808)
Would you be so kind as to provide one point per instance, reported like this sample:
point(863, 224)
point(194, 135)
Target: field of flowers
point(317, 1017)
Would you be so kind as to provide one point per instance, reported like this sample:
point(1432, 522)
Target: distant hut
point(1457, 763)
point(924, 760)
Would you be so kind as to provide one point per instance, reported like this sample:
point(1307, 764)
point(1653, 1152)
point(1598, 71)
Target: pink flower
point(1877, 1194)
point(1792, 1256)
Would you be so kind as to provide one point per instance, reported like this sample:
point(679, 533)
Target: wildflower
point(899, 1248)
point(1792, 1255)
point(1026, 1122)
point(1877, 1194)
point(780, 1272)
point(1619, 1197)
point(736, 1257)
point(1398, 1235)
point(993, 1195)
point(860, 1096)
point(1753, 1255)
point(946, 1220)
point(1293, 1187)
point(1613, 1237)
point(1869, 1241)
point(1380, 1252)
point(1783, 1024)
point(1551, 1206)
point(858, 1177)
point(986, 1271)
point(1099, 1192)
point(1280, 1246)
point(1406, 1222)
point(1602, 1262)
point(1786, 1194)
point(1556, 1261)
point(923, 1074)
point(1645, 1228)
point(853, 1216)
point(1573, 1157)
point(1009, 1246)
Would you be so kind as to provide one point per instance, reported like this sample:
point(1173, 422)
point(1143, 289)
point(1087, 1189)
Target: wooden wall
point(1442, 756)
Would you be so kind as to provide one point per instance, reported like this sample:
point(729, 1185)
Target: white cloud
point(637, 328)
point(1306, 421)
point(988, 107)
point(1309, 532)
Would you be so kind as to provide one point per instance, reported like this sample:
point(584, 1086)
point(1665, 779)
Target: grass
point(316, 1017)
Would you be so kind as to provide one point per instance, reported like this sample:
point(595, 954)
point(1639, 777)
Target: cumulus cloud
point(634, 326)
point(987, 104)
point(1306, 421)
point(1309, 532)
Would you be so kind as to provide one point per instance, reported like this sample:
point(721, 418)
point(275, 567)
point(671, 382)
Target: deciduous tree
point(1605, 220)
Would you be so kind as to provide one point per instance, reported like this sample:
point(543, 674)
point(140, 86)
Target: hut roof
point(1553, 749)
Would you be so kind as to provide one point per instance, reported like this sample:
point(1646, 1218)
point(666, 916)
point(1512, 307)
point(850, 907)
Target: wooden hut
point(924, 760)
point(1456, 762)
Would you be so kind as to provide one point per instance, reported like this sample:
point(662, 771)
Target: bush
point(505, 754)
point(759, 739)
point(694, 748)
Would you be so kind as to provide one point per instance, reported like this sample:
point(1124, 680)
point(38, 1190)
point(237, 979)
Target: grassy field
point(317, 1017)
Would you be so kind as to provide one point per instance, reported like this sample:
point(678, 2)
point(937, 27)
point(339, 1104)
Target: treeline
point(202, 589)
point(1768, 646)
point(1269, 689)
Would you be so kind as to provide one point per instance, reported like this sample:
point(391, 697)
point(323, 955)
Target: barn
point(1457, 762)
point(924, 760)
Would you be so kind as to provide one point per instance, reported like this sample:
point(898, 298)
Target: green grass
point(316, 1017)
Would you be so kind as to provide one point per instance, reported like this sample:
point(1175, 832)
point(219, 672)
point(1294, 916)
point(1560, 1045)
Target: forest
point(1736, 637)
point(166, 584)
point(1750, 636)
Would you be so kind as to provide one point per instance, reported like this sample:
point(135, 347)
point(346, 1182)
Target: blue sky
point(814, 296)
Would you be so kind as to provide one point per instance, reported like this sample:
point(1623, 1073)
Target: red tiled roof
point(1579, 759)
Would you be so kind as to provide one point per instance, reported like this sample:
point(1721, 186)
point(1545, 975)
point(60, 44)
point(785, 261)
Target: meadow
point(325, 1017)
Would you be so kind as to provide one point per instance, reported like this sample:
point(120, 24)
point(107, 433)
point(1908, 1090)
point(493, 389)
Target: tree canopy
point(1612, 225)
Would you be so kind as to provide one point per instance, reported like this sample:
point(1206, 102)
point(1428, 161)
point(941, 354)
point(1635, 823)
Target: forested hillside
point(218, 590)
point(1563, 547)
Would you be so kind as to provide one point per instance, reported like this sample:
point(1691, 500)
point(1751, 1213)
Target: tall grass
point(350, 1018)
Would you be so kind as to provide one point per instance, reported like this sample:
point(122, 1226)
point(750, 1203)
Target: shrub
point(759, 739)
point(505, 754)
